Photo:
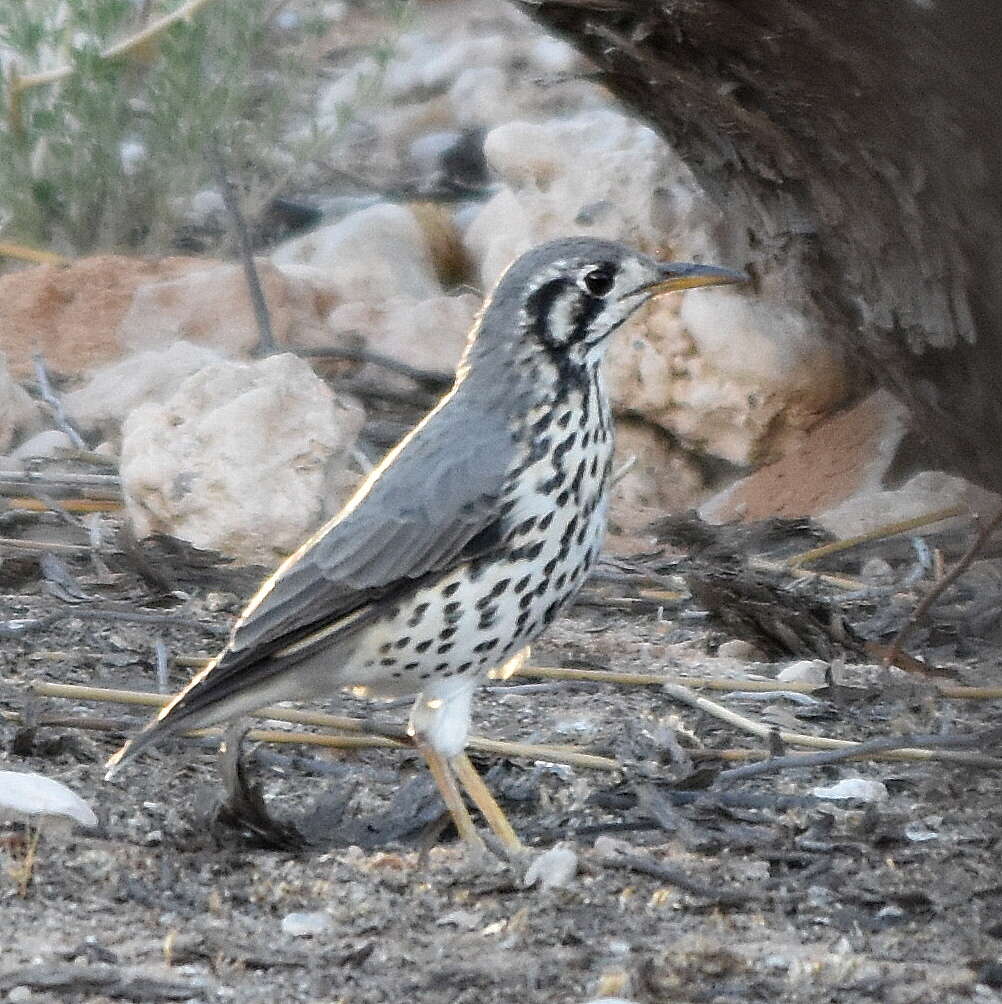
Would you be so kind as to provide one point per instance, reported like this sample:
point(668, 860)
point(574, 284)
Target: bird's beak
point(676, 275)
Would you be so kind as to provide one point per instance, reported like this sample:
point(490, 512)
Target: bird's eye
point(599, 280)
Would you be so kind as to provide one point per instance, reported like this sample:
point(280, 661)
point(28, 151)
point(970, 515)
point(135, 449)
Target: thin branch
point(394, 735)
point(266, 338)
point(50, 397)
point(864, 750)
point(942, 584)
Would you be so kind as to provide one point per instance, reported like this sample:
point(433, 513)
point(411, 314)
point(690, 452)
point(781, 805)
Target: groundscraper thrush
point(471, 535)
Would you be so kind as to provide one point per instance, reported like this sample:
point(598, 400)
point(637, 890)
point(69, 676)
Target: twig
point(674, 876)
point(942, 584)
point(686, 696)
point(863, 750)
point(50, 397)
point(431, 379)
point(41, 546)
point(394, 735)
point(266, 338)
point(880, 533)
point(24, 253)
point(142, 39)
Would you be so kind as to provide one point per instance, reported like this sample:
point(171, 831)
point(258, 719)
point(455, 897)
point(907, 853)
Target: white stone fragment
point(859, 789)
point(44, 444)
point(305, 925)
point(244, 458)
point(371, 255)
point(553, 869)
point(804, 671)
point(42, 801)
point(918, 833)
point(113, 391)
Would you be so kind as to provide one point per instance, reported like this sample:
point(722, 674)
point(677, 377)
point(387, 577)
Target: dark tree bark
point(857, 145)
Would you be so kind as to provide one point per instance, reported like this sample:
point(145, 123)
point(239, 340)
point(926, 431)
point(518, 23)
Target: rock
point(18, 412)
point(663, 479)
point(738, 648)
point(112, 391)
point(243, 458)
point(71, 313)
point(804, 671)
point(553, 869)
point(305, 925)
point(429, 334)
point(372, 255)
point(41, 801)
point(212, 306)
point(859, 789)
point(835, 473)
point(555, 171)
point(44, 444)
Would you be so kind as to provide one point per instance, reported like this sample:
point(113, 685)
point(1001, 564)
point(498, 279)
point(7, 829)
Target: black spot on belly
point(443, 649)
point(486, 646)
point(563, 498)
point(594, 465)
point(564, 420)
point(526, 601)
point(581, 535)
point(417, 615)
point(423, 646)
point(586, 439)
point(385, 647)
point(464, 667)
point(561, 579)
point(411, 665)
point(446, 633)
point(440, 667)
point(403, 642)
point(387, 662)
point(532, 553)
point(522, 583)
point(544, 523)
point(450, 589)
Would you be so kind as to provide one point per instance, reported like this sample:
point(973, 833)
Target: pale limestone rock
point(244, 458)
point(559, 171)
point(728, 376)
point(553, 869)
point(371, 255)
point(111, 392)
point(924, 493)
point(429, 334)
point(663, 478)
point(804, 671)
point(212, 306)
point(18, 412)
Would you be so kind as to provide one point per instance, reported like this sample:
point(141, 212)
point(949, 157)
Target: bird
point(469, 537)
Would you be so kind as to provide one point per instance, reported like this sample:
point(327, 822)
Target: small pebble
point(804, 671)
point(553, 868)
point(737, 648)
point(860, 789)
point(19, 993)
point(305, 925)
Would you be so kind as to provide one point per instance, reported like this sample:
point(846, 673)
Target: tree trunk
point(856, 145)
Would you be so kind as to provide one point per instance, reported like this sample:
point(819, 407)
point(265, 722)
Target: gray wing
point(435, 493)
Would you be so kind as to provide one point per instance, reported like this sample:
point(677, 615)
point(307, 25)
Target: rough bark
point(856, 146)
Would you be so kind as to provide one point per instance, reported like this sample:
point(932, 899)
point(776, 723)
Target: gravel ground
point(760, 892)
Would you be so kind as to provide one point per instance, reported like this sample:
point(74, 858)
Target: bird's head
point(563, 299)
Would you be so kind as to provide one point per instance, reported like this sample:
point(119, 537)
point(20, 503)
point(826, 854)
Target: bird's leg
point(485, 802)
point(446, 783)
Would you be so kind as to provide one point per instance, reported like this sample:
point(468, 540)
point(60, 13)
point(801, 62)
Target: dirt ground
point(686, 890)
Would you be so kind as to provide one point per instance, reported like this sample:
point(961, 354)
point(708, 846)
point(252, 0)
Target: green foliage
point(97, 159)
